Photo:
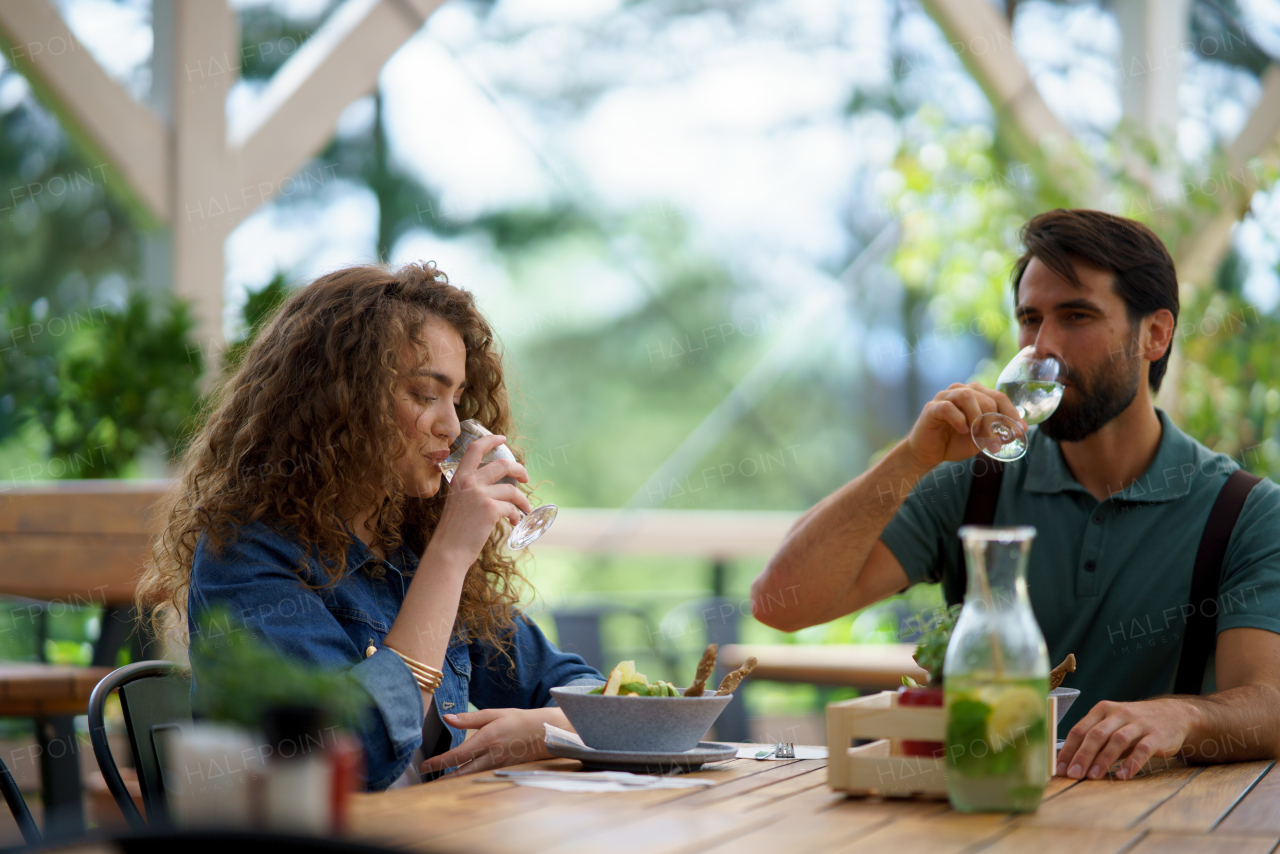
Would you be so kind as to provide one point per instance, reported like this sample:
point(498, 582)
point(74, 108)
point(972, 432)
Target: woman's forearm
point(425, 623)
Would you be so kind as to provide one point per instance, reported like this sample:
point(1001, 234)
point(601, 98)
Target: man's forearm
point(820, 560)
point(1233, 725)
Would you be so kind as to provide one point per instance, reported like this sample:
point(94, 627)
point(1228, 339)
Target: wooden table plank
point(789, 789)
point(774, 772)
point(771, 807)
point(1109, 804)
point(445, 811)
point(30, 689)
point(1259, 810)
point(1054, 841)
point(799, 833)
point(946, 832)
point(1056, 786)
point(1213, 843)
point(603, 828)
point(1201, 804)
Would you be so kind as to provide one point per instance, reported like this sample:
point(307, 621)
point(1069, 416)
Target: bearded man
point(1155, 562)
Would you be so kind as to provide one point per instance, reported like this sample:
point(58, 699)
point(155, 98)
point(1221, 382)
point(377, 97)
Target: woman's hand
point(502, 737)
point(477, 500)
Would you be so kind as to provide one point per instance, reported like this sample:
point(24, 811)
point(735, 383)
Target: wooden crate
point(880, 767)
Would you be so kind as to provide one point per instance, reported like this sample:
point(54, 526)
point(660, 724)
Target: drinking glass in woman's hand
point(530, 526)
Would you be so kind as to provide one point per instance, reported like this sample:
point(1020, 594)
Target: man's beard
point(1101, 395)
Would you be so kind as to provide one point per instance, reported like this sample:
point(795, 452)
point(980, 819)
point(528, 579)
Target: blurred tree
point(1231, 375)
point(1217, 34)
point(63, 238)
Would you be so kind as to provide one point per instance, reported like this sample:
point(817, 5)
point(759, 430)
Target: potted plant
point(280, 731)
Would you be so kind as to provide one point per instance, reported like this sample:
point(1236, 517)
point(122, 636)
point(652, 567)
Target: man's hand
point(502, 737)
point(941, 433)
point(1134, 732)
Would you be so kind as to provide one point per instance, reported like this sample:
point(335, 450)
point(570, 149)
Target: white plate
point(645, 762)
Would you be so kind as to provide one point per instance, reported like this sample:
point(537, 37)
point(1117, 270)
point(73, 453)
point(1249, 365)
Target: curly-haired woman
point(312, 505)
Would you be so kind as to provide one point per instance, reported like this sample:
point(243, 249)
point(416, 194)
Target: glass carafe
point(996, 680)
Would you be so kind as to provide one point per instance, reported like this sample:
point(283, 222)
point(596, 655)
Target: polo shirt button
point(1097, 518)
point(1090, 565)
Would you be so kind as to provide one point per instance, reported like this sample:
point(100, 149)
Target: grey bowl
point(1066, 696)
point(649, 724)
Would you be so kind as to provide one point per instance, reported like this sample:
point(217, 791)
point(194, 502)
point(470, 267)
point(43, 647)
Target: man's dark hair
point(1143, 271)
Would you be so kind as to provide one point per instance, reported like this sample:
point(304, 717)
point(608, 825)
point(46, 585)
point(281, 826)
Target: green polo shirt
point(1108, 580)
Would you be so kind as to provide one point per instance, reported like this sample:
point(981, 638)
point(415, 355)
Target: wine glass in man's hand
point(1034, 385)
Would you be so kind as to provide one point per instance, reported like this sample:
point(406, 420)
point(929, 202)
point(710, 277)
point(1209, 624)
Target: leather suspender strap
point(980, 509)
point(1202, 624)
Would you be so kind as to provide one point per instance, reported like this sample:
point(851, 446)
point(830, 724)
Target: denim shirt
point(255, 577)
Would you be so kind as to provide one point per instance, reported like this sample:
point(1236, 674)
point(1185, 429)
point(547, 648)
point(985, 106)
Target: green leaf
point(931, 649)
point(966, 730)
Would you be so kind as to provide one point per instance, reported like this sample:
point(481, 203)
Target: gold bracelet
point(427, 681)
point(428, 678)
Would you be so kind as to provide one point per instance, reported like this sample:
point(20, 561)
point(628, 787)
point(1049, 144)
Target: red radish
point(921, 697)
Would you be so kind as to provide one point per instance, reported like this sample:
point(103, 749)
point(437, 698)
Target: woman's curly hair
point(302, 435)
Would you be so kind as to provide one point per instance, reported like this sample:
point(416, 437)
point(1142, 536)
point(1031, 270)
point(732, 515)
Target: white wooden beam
point(1203, 249)
point(1263, 126)
point(1153, 36)
point(130, 139)
point(295, 116)
point(208, 199)
point(983, 41)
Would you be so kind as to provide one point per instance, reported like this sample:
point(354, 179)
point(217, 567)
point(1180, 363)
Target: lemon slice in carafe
point(1012, 716)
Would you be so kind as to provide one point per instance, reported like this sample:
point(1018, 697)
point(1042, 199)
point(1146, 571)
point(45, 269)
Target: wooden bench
point(76, 542)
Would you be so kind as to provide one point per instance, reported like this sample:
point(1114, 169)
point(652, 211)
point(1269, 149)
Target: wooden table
point(877, 667)
point(778, 807)
point(38, 690)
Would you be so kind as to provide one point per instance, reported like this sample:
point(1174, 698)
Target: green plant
point(125, 381)
point(931, 650)
point(240, 677)
point(258, 309)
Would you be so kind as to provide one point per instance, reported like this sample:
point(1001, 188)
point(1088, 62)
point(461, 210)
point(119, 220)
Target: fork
point(780, 750)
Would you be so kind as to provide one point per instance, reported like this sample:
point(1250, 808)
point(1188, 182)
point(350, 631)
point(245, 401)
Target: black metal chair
point(155, 697)
point(18, 806)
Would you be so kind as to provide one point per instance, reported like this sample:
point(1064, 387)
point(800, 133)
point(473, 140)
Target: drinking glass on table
point(531, 525)
point(1034, 385)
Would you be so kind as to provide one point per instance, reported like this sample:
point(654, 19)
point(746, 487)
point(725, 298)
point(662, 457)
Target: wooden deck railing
point(84, 542)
